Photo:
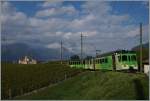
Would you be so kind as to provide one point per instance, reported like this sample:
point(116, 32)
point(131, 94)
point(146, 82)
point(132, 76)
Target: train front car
point(126, 60)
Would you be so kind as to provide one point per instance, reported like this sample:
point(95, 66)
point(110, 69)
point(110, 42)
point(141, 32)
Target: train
point(115, 60)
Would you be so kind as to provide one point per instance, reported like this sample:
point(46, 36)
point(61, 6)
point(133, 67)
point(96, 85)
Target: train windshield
point(124, 58)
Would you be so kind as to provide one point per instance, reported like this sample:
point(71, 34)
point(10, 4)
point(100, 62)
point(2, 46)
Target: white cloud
point(54, 4)
point(53, 45)
point(59, 11)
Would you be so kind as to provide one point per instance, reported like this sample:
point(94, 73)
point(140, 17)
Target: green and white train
point(116, 60)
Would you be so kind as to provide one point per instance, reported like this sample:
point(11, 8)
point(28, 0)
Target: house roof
point(30, 58)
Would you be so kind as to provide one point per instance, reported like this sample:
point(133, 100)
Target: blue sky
point(137, 9)
point(49, 22)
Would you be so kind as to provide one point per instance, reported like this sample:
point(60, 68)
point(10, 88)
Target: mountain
point(13, 52)
point(145, 45)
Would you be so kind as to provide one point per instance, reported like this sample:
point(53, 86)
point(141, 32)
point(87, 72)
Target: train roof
point(117, 51)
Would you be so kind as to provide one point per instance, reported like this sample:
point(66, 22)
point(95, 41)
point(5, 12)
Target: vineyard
point(18, 79)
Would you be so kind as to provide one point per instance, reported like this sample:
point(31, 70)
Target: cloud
point(55, 9)
point(53, 45)
point(54, 22)
point(51, 4)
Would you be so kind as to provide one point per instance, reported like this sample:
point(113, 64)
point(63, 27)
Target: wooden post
point(61, 52)
point(9, 94)
point(21, 91)
point(65, 76)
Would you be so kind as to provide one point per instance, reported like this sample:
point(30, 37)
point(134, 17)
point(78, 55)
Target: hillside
point(145, 51)
point(96, 86)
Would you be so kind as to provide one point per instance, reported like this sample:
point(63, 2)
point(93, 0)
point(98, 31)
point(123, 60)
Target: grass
point(97, 86)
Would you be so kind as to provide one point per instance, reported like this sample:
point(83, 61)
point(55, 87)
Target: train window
point(102, 60)
point(119, 58)
point(124, 58)
point(83, 62)
point(129, 58)
point(133, 58)
point(106, 60)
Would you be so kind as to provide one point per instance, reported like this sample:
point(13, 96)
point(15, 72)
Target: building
point(146, 66)
point(27, 60)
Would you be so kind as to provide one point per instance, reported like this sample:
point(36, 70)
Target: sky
point(105, 25)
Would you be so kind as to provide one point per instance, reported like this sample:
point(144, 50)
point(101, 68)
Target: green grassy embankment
point(97, 85)
point(18, 79)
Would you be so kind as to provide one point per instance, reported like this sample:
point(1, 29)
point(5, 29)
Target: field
point(99, 85)
point(17, 79)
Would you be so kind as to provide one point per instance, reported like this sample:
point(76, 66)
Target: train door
point(91, 64)
point(114, 62)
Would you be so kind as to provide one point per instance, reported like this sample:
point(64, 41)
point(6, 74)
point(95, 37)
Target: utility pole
point(141, 47)
point(61, 49)
point(97, 52)
point(81, 48)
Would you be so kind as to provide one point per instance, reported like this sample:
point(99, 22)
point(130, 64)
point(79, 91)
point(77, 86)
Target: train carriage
point(104, 63)
point(116, 60)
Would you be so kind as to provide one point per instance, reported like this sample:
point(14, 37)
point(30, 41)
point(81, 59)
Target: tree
point(75, 57)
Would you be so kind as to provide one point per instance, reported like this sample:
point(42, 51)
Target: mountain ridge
point(13, 52)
